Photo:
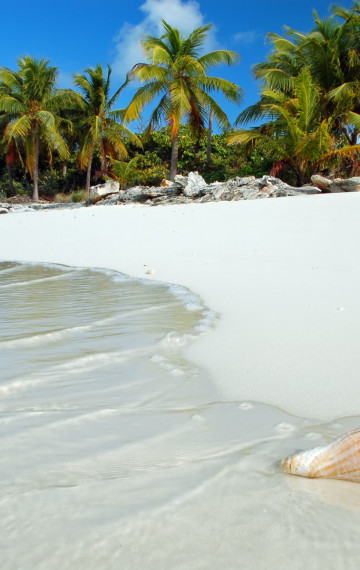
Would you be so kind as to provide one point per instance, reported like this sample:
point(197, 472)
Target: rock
point(166, 183)
point(101, 191)
point(250, 193)
point(181, 180)
point(216, 190)
point(308, 190)
point(134, 194)
point(143, 194)
point(268, 181)
point(206, 198)
point(156, 192)
point(286, 190)
point(196, 185)
point(321, 182)
point(4, 210)
point(238, 182)
point(193, 189)
point(347, 185)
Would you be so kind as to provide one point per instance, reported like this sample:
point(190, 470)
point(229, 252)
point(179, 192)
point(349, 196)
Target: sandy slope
point(284, 277)
point(283, 274)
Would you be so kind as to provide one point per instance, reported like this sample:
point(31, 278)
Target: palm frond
point(18, 128)
point(217, 57)
point(252, 113)
point(354, 119)
point(142, 97)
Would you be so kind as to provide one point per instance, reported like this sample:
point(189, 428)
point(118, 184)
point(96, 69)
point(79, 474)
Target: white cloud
point(184, 15)
point(248, 37)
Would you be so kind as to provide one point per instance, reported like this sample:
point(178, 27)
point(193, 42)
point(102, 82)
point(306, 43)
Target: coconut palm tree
point(325, 65)
point(31, 104)
point(11, 156)
point(98, 121)
point(295, 132)
point(175, 76)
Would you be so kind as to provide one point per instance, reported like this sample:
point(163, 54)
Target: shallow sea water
point(117, 452)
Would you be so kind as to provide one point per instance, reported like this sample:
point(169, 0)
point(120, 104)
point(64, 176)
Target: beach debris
point(160, 192)
point(337, 185)
point(180, 180)
point(101, 191)
point(338, 460)
point(346, 185)
point(166, 183)
point(192, 189)
point(196, 185)
point(321, 182)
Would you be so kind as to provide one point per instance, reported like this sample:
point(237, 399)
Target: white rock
point(196, 185)
point(180, 180)
point(347, 185)
point(101, 190)
point(321, 182)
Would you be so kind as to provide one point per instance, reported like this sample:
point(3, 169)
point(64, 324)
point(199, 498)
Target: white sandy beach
point(283, 276)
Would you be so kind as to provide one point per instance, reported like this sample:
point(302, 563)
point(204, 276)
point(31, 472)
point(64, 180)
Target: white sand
point(284, 277)
point(283, 274)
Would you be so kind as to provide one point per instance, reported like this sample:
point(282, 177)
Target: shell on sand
point(338, 460)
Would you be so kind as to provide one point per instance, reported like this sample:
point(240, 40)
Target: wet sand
point(283, 276)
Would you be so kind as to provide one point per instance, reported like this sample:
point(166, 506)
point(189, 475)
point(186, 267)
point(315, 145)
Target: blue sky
point(75, 34)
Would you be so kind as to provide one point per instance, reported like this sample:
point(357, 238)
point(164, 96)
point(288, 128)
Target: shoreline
point(282, 275)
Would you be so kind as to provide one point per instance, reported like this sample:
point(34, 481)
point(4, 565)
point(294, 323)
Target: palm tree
point(175, 75)
point(11, 155)
point(324, 66)
point(297, 135)
point(31, 105)
point(98, 121)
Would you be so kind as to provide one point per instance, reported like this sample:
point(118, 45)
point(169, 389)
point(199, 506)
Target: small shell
point(338, 460)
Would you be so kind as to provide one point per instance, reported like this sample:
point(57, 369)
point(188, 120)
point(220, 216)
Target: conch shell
point(338, 460)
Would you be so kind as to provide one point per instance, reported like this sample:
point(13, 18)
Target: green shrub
point(50, 183)
point(80, 196)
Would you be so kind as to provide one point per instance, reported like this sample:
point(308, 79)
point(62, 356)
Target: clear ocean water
point(79, 339)
point(117, 452)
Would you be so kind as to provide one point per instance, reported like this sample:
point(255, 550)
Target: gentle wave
point(35, 281)
point(62, 334)
point(110, 436)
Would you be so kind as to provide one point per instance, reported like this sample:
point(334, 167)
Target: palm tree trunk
point(174, 157)
point(64, 168)
point(299, 178)
point(103, 158)
point(35, 196)
point(208, 149)
point(12, 191)
point(88, 176)
point(355, 166)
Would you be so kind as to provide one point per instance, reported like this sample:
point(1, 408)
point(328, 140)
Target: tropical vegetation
point(31, 113)
point(309, 106)
point(101, 130)
point(175, 75)
point(306, 119)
